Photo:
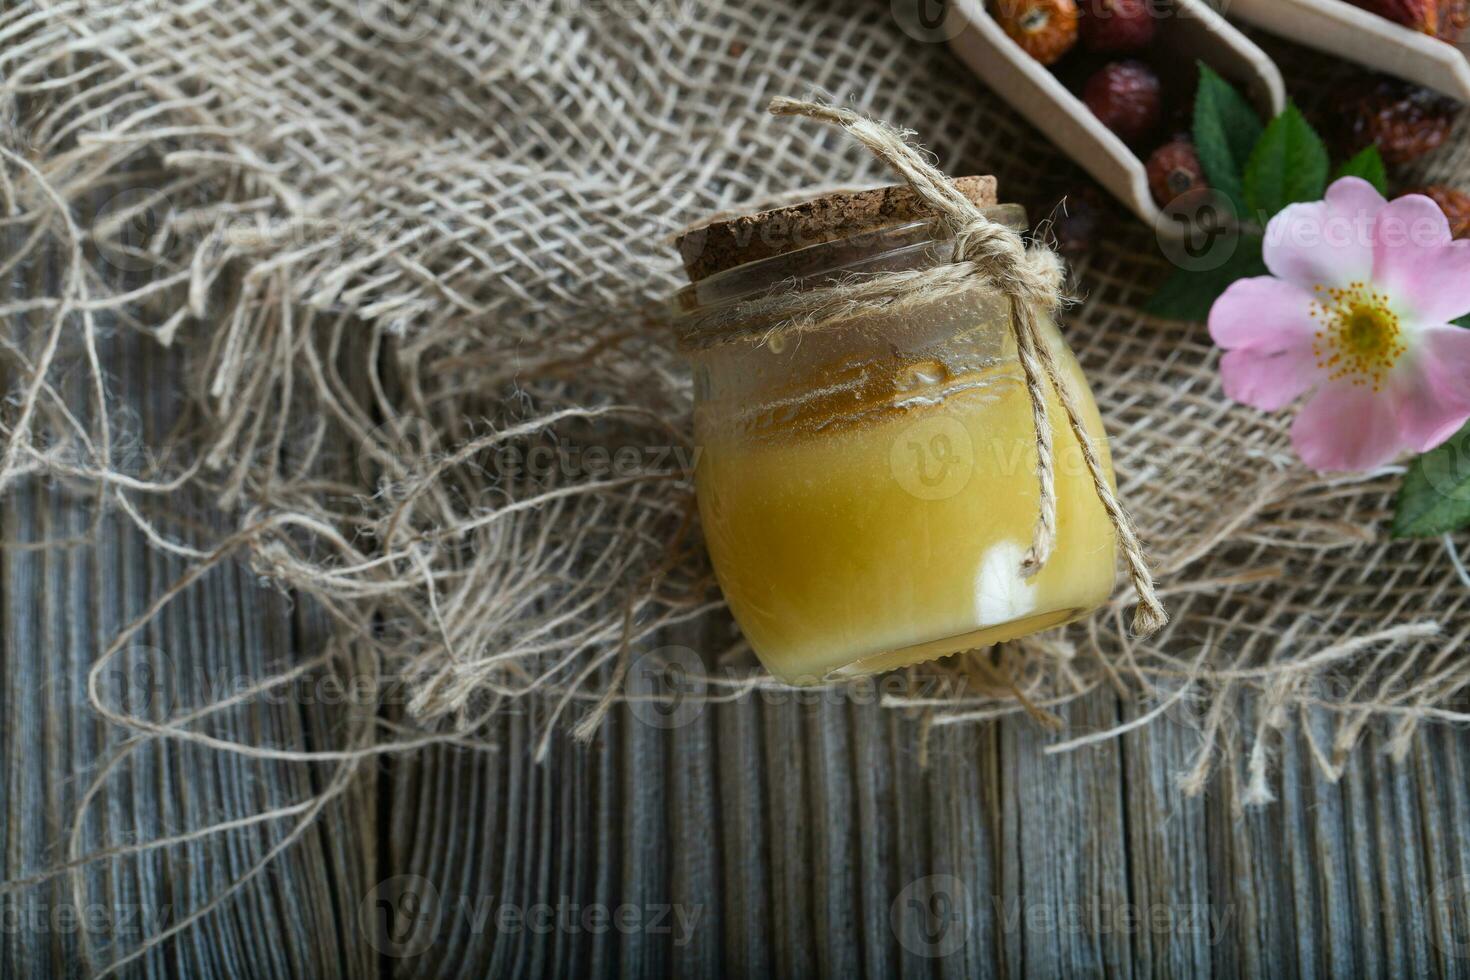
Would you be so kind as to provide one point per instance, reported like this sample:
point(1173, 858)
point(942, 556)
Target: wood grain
point(795, 839)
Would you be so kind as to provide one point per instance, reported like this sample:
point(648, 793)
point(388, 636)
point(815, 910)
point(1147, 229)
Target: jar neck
point(904, 247)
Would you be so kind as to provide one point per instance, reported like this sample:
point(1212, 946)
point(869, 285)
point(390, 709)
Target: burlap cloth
point(404, 248)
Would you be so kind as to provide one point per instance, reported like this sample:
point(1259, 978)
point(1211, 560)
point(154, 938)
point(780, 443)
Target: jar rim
point(725, 241)
point(897, 247)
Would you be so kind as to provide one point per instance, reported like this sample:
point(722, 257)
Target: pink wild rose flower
point(1357, 311)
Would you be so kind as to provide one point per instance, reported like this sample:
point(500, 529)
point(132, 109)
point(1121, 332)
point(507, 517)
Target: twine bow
point(1031, 279)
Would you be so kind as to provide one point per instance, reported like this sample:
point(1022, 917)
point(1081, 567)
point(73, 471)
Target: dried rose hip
point(1454, 20)
point(1117, 26)
point(1127, 97)
point(1045, 29)
point(1403, 120)
point(1421, 15)
point(1174, 169)
point(1454, 203)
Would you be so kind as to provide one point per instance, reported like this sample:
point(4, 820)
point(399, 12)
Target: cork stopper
point(725, 243)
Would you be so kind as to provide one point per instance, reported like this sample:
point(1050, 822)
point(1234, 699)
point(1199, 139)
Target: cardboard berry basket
point(1188, 31)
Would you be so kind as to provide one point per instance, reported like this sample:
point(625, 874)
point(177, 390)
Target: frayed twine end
point(1149, 616)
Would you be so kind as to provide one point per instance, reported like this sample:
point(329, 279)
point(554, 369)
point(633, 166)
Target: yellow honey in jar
point(867, 492)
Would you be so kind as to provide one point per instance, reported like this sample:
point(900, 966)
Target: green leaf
point(1435, 497)
point(1226, 129)
point(1189, 293)
point(1368, 164)
point(1464, 321)
point(1288, 165)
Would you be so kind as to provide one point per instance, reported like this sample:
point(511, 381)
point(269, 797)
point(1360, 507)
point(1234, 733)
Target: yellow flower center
point(1358, 334)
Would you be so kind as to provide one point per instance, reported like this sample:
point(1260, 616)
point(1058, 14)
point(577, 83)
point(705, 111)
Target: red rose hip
point(1174, 169)
point(1421, 15)
point(1127, 97)
point(1453, 202)
point(1454, 20)
point(1404, 121)
point(1117, 26)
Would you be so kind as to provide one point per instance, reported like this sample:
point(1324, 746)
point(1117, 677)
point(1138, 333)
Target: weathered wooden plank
point(799, 832)
point(963, 844)
point(835, 839)
point(1064, 853)
point(1319, 806)
point(1406, 888)
point(785, 762)
point(1060, 828)
point(1436, 769)
point(745, 882)
point(643, 771)
point(876, 812)
point(1269, 947)
point(61, 603)
point(1168, 852)
point(696, 874)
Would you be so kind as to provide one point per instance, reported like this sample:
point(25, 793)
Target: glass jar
point(867, 489)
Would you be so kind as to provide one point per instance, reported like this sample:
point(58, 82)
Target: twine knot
point(1031, 279)
point(1033, 275)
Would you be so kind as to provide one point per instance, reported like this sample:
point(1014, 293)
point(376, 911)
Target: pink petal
point(1264, 313)
point(1445, 351)
point(1434, 393)
point(1418, 263)
point(1347, 428)
point(1329, 242)
point(1425, 419)
point(1268, 380)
